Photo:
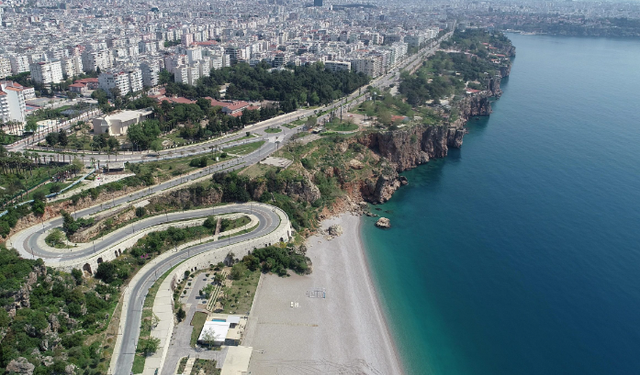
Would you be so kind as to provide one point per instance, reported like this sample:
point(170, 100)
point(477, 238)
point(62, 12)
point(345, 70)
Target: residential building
point(150, 73)
point(12, 102)
point(92, 60)
point(335, 66)
point(19, 64)
point(46, 72)
point(5, 67)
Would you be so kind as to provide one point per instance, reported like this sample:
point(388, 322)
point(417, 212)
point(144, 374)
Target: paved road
point(269, 221)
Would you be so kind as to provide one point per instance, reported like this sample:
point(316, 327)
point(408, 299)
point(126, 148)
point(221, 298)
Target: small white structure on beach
point(214, 332)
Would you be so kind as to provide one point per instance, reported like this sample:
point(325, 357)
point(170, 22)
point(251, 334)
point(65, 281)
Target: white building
point(118, 123)
point(72, 66)
point(335, 66)
point(19, 64)
point(150, 73)
point(92, 60)
point(194, 54)
point(371, 66)
point(135, 79)
point(110, 80)
point(12, 102)
point(46, 72)
point(5, 67)
point(187, 74)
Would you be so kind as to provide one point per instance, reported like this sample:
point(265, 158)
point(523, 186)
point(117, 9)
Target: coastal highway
point(138, 289)
point(26, 241)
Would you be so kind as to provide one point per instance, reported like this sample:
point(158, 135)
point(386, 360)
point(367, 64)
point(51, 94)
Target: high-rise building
point(5, 67)
point(19, 64)
point(187, 39)
point(150, 73)
point(12, 102)
point(46, 72)
point(125, 81)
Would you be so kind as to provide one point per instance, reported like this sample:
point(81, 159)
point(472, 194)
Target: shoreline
point(341, 330)
point(385, 320)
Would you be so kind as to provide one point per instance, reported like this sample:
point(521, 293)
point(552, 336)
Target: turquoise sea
point(520, 252)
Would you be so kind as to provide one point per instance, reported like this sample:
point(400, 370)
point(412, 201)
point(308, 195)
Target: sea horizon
point(517, 253)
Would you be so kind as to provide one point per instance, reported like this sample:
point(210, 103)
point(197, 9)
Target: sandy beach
point(294, 330)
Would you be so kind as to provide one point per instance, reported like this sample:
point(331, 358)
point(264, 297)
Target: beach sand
point(343, 333)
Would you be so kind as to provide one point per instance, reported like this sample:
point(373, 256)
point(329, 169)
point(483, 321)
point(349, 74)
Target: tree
point(32, 125)
point(54, 187)
point(77, 275)
point(141, 211)
point(113, 143)
point(181, 314)
point(148, 346)
point(210, 222)
point(52, 139)
point(76, 166)
point(62, 138)
point(69, 224)
point(38, 207)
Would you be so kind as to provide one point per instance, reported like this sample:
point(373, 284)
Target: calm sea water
point(520, 253)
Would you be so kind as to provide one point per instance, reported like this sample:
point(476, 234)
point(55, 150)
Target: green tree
point(148, 345)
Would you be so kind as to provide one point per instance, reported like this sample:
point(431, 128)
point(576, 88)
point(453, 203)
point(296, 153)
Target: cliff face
point(407, 148)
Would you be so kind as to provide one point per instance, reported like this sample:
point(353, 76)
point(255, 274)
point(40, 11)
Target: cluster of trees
point(445, 74)
point(145, 135)
point(277, 260)
point(71, 225)
point(104, 141)
point(63, 309)
point(57, 138)
point(292, 87)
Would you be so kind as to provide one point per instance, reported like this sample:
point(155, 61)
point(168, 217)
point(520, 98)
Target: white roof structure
point(233, 319)
point(217, 330)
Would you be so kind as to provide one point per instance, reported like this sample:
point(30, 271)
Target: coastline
point(346, 332)
point(390, 340)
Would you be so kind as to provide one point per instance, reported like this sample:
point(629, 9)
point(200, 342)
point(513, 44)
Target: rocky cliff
point(409, 147)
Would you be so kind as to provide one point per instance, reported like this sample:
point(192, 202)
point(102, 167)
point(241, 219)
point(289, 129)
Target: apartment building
point(19, 64)
point(46, 72)
point(336, 66)
point(125, 81)
point(12, 102)
point(5, 67)
point(92, 60)
point(150, 73)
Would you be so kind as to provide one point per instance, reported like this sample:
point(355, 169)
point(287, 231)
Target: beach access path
point(343, 333)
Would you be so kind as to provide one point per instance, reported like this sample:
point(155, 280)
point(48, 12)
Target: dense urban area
point(162, 165)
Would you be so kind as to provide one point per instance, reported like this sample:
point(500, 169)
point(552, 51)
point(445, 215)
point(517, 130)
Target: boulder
point(383, 222)
point(355, 164)
point(20, 366)
point(335, 230)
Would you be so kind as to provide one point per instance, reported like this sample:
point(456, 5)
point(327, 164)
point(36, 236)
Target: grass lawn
point(273, 130)
point(258, 170)
point(344, 127)
point(244, 149)
point(239, 296)
point(175, 138)
point(138, 364)
point(294, 124)
point(199, 318)
point(240, 139)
